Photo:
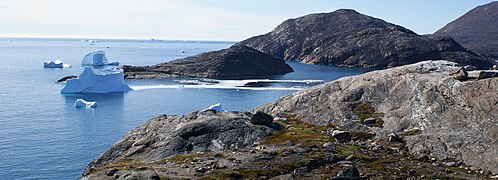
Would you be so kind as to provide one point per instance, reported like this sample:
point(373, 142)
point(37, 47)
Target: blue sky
point(204, 19)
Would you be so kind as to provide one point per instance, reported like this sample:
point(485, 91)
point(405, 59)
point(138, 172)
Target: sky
point(228, 20)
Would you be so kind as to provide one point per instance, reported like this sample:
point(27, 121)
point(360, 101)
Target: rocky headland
point(476, 30)
point(234, 62)
point(348, 38)
point(431, 119)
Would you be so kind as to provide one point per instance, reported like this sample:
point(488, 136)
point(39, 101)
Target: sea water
point(42, 134)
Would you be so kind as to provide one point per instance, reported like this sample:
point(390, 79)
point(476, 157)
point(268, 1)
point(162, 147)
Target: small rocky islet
point(365, 126)
point(234, 62)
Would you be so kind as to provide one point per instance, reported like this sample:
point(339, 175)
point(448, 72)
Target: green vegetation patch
point(185, 158)
point(298, 132)
point(123, 163)
point(365, 110)
point(410, 132)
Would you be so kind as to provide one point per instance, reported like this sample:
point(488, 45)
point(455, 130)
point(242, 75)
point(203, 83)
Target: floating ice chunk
point(216, 107)
point(97, 58)
point(83, 103)
point(55, 64)
point(97, 81)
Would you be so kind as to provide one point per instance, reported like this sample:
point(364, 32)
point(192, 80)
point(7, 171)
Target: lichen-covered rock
point(167, 135)
point(455, 119)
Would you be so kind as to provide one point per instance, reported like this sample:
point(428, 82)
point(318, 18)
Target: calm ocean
point(42, 136)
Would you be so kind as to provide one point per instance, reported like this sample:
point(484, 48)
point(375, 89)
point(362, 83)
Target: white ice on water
point(227, 84)
point(97, 58)
point(83, 103)
point(97, 81)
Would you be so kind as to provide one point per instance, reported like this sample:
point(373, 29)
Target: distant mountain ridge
point(476, 30)
point(347, 38)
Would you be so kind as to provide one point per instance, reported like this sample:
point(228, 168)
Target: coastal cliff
point(347, 38)
point(233, 62)
point(429, 119)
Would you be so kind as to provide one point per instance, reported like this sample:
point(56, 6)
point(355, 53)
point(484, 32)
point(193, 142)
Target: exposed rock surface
point(168, 135)
point(65, 78)
point(321, 132)
point(476, 30)
point(348, 38)
point(440, 116)
point(236, 61)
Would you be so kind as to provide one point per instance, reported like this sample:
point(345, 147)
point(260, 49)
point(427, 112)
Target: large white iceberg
point(55, 64)
point(97, 81)
point(97, 58)
point(83, 103)
point(216, 107)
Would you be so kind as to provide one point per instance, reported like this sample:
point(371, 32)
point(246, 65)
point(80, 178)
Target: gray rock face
point(236, 61)
point(167, 135)
point(348, 38)
point(457, 119)
point(476, 30)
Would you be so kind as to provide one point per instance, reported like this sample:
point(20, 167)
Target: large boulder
point(437, 115)
point(348, 38)
point(234, 62)
point(168, 135)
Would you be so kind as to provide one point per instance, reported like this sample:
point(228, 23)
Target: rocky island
point(476, 30)
point(236, 61)
point(431, 119)
point(348, 38)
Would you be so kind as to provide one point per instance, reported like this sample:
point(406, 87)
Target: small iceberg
point(83, 103)
point(55, 64)
point(216, 107)
point(97, 81)
point(97, 58)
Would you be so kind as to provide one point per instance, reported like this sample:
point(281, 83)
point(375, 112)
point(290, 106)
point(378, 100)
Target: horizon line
point(3, 36)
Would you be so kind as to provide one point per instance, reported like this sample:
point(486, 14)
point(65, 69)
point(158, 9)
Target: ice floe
point(248, 84)
point(83, 103)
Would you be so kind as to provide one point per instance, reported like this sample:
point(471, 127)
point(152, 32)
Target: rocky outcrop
point(65, 78)
point(169, 135)
point(352, 128)
point(236, 61)
point(348, 38)
point(476, 30)
point(435, 114)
